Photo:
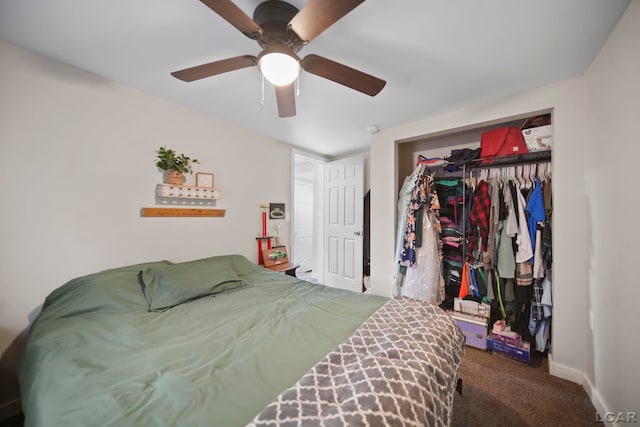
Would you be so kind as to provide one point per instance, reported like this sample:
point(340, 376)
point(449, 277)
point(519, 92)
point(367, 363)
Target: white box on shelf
point(538, 138)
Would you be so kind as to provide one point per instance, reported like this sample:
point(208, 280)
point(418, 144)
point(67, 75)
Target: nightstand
point(287, 268)
point(276, 259)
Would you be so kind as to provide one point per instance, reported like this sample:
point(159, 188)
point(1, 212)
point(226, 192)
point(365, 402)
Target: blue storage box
point(520, 353)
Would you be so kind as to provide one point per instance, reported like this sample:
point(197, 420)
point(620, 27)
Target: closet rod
point(534, 157)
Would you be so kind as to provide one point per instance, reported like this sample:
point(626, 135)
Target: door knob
point(357, 233)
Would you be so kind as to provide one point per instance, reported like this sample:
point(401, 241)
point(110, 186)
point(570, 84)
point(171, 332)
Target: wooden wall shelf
point(181, 212)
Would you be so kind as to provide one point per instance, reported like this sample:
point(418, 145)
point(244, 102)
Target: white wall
point(613, 151)
point(77, 165)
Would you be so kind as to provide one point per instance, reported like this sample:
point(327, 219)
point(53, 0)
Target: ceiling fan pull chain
point(298, 85)
point(262, 97)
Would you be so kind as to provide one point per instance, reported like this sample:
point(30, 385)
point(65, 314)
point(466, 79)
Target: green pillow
point(111, 291)
point(168, 286)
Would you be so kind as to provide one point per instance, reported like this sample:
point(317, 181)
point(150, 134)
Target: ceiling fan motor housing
point(273, 17)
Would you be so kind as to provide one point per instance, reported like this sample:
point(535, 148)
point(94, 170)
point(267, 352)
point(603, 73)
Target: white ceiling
point(435, 55)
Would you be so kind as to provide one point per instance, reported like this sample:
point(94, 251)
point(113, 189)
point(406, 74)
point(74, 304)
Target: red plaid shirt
point(479, 217)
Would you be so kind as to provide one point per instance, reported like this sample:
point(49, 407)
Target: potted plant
point(174, 165)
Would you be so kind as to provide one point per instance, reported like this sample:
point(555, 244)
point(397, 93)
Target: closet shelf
point(532, 157)
point(187, 192)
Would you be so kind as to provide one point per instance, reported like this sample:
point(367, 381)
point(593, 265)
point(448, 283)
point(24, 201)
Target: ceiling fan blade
point(236, 17)
point(216, 67)
point(318, 15)
point(339, 73)
point(286, 97)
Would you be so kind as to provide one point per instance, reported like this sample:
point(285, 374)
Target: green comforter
point(96, 355)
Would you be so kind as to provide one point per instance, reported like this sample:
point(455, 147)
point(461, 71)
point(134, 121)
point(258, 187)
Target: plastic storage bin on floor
point(474, 329)
point(520, 353)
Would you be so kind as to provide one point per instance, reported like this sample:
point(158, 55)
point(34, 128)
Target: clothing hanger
point(523, 176)
point(548, 169)
point(471, 180)
point(540, 172)
point(544, 172)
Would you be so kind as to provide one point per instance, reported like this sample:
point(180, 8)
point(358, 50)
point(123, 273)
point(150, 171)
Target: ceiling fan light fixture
point(278, 67)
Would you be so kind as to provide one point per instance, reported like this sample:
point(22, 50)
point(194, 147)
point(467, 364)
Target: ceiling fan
point(282, 30)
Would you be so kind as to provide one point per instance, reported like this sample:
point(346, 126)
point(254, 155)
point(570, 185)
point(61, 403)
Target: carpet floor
point(498, 391)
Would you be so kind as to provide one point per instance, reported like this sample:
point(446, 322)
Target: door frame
point(318, 202)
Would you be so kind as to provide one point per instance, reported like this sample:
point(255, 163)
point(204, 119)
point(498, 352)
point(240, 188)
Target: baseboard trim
point(596, 399)
point(579, 377)
point(10, 409)
point(565, 372)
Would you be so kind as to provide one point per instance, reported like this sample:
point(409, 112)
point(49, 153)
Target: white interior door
point(344, 202)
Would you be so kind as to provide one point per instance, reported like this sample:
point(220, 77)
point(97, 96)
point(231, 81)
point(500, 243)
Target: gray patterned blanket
point(398, 368)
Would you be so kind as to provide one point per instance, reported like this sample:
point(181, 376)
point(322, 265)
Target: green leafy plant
point(169, 160)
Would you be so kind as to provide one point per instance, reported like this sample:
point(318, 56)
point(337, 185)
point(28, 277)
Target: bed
point(224, 342)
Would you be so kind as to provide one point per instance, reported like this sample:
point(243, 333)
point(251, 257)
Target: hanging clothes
point(418, 199)
point(518, 248)
point(508, 228)
point(464, 285)
point(537, 312)
point(512, 215)
point(404, 198)
point(479, 218)
point(450, 193)
point(535, 211)
point(540, 320)
point(490, 256)
point(506, 264)
point(525, 250)
point(424, 280)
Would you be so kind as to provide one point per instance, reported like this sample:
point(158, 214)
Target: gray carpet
point(498, 391)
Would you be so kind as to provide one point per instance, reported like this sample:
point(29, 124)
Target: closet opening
point(452, 248)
